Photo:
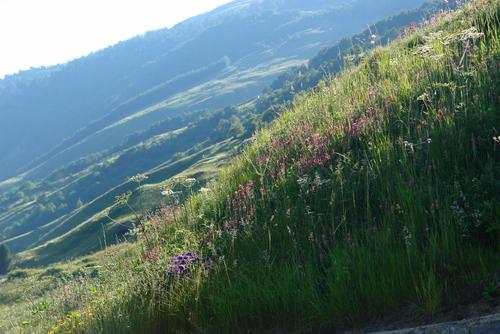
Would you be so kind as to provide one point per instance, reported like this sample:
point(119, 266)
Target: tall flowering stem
point(240, 210)
point(300, 150)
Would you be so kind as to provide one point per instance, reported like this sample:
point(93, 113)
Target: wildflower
point(240, 210)
point(204, 190)
point(468, 35)
point(497, 139)
point(428, 140)
point(207, 262)
point(397, 208)
point(152, 254)
point(301, 148)
point(407, 235)
point(408, 144)
point(123, 199)
point(408, 30)
point(311, 237)
point(436, 17)
point(181, 265)
point(358, 126)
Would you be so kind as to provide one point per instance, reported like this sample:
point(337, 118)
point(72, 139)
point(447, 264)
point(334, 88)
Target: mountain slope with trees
point(73, 188)
point(66, 105)
point(373, 195)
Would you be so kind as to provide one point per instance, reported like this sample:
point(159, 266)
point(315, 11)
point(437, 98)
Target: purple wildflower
point(182, 265)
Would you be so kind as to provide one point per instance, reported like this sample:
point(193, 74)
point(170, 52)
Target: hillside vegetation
point(377, 191)
point(145, 114)
point(68, 203)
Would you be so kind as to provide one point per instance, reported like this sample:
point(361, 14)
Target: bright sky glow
point(37, 33)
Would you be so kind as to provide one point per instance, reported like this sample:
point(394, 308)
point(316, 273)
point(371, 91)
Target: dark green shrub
point(17, 274)
point(5, 259)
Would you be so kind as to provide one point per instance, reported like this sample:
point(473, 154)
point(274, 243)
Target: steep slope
point(34, 213)
point(377, 192)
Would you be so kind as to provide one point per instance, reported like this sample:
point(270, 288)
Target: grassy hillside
point(69, 200)
point(27, 295)
point(104, 222)
point(376, 192)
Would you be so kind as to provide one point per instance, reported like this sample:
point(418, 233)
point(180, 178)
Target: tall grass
point(376, 191)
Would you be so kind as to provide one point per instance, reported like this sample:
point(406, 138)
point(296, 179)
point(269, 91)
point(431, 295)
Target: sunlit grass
point(377, 191)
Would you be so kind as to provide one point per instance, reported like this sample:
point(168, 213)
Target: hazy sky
point(48, 32)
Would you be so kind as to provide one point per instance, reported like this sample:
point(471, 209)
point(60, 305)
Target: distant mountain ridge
point(56, 102)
